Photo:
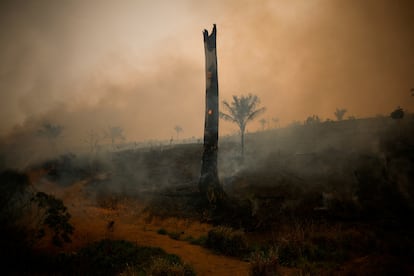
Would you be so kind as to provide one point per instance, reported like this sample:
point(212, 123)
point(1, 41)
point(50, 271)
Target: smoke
point(88, 65)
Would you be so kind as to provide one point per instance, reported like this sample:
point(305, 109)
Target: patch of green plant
point(202, 240)
point(111, 257)
point(175, 235)
point(264, 262)
point(322, 252)
point(289, 254)
point(162, 231)
point(227, 241)
point(165, 267)
point(55, 217)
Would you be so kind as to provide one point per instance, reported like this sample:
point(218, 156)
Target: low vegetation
point(320, 198)
point(227, 241)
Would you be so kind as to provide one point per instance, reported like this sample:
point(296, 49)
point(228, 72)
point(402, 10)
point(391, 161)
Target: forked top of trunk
point(210, 39)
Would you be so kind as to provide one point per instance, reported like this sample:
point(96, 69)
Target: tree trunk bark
point(209, 185)
point(242, 144)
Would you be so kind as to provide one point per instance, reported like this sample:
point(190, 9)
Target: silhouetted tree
point(339, 113)
point(209, 184)
point(397, 114)
point(92, 140)
point(178, 129)
point(26, 216)
point(51, 132)
point(263, 123)
point(314, 119)
point(114, 133)
point(240, 111)
point(275, 121)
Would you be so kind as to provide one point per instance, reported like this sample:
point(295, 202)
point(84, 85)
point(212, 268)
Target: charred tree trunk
point(209, 185)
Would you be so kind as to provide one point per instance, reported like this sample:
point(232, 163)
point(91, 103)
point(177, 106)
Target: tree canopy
point(242, 110)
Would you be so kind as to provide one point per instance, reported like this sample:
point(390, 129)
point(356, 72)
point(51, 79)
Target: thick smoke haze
point(92, 64)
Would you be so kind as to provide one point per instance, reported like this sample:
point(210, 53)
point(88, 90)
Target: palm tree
point(339, 113)
point(275, 121)
point(240, 111)
point(178, 129)
point(114, 133)
point(263, 123)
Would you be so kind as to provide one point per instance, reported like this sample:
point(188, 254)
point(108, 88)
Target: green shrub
point(202, 240)
point(264, 262)
point(174, 235)
point(162, 231)
point(55, 217)
point(289, 254)
point(111, 257)
point(165, 267)
point(227, 241)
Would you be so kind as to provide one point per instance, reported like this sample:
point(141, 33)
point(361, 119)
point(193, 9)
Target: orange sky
point(139, 64)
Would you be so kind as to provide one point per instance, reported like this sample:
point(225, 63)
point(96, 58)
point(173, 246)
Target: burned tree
point(209, 185)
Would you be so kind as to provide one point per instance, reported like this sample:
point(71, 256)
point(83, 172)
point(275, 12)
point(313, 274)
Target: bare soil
point(131, 223)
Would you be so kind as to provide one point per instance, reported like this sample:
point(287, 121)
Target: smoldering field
point(329, 197)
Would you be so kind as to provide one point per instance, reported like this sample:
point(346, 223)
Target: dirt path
point(91, 224)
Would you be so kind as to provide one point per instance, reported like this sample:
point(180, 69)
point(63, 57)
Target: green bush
point(174, 235)
point(55, 217)
point(165, 267)
point(111, 257)
point(227, 241)
point(202, 240)
point(162, 231)
point(264, 262)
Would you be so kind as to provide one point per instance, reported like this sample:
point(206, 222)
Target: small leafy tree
point(263, 123)
point(51, 132)
point(26, 216)
point(314, 119)
point(242, 110)
point(178, 129)
point(275, 121)
point(114, 133)
point(54, 217)
point(92, 140)
point(397, 114)
point(339, 113)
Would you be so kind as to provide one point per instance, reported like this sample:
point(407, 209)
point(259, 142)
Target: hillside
point(329, 198)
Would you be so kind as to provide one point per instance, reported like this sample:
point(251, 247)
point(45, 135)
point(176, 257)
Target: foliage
point(178, 129)
point(397, 114)
point(13, 192)
point(50, 131)
point(275, 121)
point(314, 119)
point(227, 241)
point(162, 231)
point(55, 217)
point(111, 257)
point(92, 141)
point(114, 133)
point(174, 235)
point(202, 240)
point(165, 267)
point(242, 110)
point(263, 123)
point(339, 113)
point(264, 262)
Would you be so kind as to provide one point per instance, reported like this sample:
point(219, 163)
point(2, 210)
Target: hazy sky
point(140, 64)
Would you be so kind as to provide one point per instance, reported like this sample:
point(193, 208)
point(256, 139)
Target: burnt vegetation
point(333, 197)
